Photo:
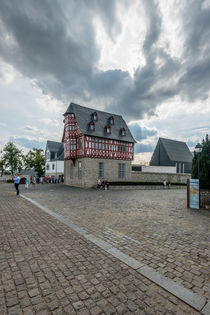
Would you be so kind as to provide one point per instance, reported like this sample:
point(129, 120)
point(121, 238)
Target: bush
point(126, 183)
point(10, 180)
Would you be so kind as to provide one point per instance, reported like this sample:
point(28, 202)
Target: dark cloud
point(140, 133)
point(55, 45)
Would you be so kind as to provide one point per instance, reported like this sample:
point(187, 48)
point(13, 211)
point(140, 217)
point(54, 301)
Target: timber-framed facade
point(91, 138)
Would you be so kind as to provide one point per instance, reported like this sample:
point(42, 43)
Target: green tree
point(35, 159)
point(12, 157)
point(204, 160)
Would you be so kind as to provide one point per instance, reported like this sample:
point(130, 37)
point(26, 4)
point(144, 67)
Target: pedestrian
point(106, 185)
point(26, 183)
point(34, 181)
point(164, 183)
point(169, 184)
point(16, 183)
point(99, 184)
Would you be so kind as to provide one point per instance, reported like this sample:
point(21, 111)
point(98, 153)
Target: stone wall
point(159, 177)
point(90, 171)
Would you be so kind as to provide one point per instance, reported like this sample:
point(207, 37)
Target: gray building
point(172, 153)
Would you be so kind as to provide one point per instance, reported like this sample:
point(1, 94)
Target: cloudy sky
point(144, 59)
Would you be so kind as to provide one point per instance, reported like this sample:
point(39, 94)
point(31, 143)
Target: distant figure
point(169, 184)
point(41, 180)
point(26, 183)
point(16, 183)
point(106, 185)
point(164, 183)
point(34, 181)
point(99, 184)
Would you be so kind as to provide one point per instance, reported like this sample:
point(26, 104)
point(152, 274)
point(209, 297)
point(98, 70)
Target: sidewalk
point(47, 268)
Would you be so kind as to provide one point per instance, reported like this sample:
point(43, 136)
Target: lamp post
point(198, 149)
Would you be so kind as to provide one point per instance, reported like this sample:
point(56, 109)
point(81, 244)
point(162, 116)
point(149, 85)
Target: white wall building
point(54, 159)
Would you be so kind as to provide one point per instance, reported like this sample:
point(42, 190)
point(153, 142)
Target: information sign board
point(194, 193)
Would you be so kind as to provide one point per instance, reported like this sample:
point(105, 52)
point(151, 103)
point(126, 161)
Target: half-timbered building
point(97, 145)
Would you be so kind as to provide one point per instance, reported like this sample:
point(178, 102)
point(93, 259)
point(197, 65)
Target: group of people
point(33, 181)
point(167, 184)
point(102, 184)
point(53, 179)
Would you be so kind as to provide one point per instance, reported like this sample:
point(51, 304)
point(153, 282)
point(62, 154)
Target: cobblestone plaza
point(152, 226)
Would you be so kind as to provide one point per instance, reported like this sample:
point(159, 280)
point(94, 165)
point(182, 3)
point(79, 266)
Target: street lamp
point(198, 149)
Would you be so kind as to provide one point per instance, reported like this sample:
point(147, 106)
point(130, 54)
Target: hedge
point(126, 183)
point(10, 181)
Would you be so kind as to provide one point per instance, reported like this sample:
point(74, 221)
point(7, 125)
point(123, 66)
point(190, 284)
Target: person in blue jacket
point(16, 183)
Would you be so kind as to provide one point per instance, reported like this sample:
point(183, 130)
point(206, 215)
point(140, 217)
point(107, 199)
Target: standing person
point(164, 183)
point(34, 181)
point(169, 184)
point(16, 183)
point(26, 183)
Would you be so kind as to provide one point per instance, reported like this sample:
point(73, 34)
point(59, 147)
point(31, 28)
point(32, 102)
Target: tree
point(12, 157)
point(35, 159)
point(204, 164)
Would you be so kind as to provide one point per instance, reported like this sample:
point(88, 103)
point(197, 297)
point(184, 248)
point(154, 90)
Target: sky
point(146, 60)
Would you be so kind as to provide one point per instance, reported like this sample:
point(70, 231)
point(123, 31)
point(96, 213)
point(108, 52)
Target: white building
point(54, 159)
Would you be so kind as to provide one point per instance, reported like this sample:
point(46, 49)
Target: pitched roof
point(56, 147)
point(84, 116)
point(177, 150)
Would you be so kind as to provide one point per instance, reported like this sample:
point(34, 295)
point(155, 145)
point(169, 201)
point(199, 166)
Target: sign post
point(194, 191)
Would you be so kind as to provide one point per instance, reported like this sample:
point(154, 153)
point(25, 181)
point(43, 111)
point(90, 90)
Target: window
point(92, 126)
point(79, 170)
point(71, 170)
point(121, 170)
point(95, 116)
point(111, 120)
point(108, 129)
point(53, 166)
point(123, 133)
point(79, 144)
point(52, 155)
point(48, 167)
point(72, 144)
point(101, 170)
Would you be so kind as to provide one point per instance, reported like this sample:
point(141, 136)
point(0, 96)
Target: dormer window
point(95, 116)
point(111, 120)
point(108, 129)
point(123, 133)
point(92, 126)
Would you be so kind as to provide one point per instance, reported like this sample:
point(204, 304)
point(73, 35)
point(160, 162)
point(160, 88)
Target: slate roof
point(177, 150)
point(83, 116)
point(56, 147)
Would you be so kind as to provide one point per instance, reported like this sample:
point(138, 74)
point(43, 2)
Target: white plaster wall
point(59, 168)
point(159, 169)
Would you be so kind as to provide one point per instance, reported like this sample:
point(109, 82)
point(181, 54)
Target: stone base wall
point(159, 177)
point(90, 171)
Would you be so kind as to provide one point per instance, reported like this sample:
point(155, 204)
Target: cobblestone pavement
point(46, 268)
point(153, 226)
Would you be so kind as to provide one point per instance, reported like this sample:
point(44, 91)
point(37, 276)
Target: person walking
point(16, 183)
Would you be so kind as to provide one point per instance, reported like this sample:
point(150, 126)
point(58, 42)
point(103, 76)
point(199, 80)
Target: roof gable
point(84, 115)
point(176, 150)
point(56, 147)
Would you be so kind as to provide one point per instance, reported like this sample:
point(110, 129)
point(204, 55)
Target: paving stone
point(65, 272)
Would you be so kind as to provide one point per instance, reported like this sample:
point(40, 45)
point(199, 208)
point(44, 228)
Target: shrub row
point(10, 180)
point(126, 183)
